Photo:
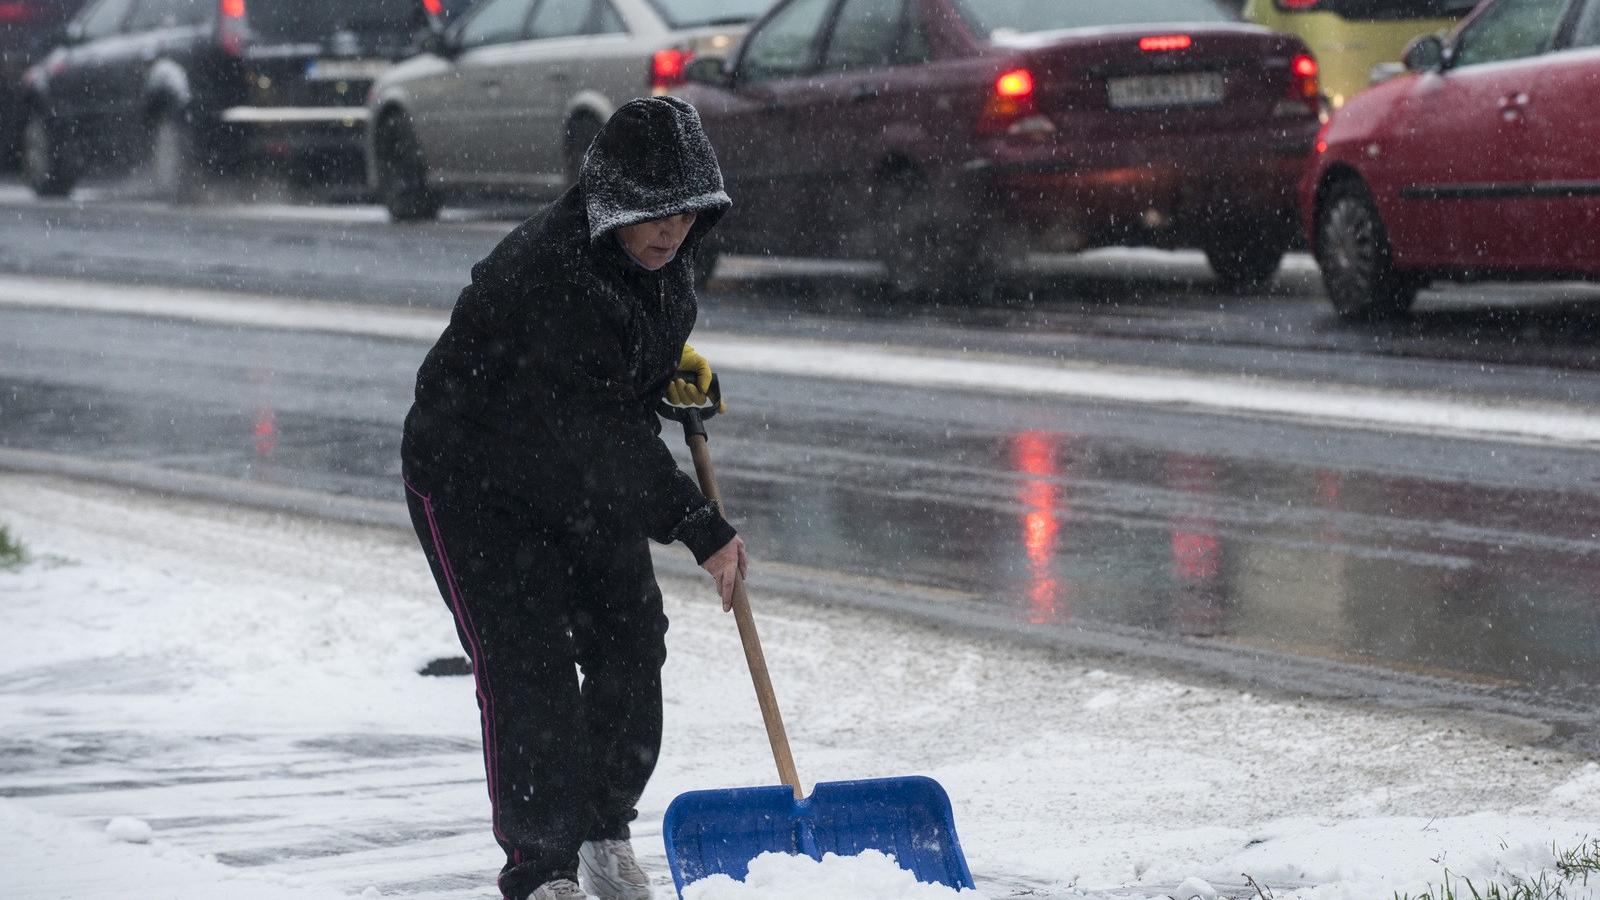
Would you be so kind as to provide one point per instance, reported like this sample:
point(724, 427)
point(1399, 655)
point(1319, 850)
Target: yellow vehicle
point(1353, 38)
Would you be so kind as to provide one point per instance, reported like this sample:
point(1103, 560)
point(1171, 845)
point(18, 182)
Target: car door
point(856, 109)
point(1456, 157)
point(549, 71)
point(1563, 158)
point(765, 157)
point(457, 113)
point(81, 90)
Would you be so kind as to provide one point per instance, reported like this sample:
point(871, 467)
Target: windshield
point(694, 13)
point(314, 20)
point(1394, 9)
point(989, 16)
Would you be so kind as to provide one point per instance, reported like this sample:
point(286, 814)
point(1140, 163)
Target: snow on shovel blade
point(721, 831)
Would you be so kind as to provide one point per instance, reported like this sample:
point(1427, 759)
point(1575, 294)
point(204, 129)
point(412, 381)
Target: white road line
point(1326, 404)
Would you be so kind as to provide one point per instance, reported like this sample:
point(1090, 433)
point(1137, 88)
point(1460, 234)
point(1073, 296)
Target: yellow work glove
point(681, 392)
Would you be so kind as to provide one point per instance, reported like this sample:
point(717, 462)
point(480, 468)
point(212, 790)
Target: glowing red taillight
point(231, 29)
point(666, 68)
point(1014, 85)
point(433, 7)
point(16, 13)
point(1163, 43)
point(1306, 84)
point(1010, 100)
point(1298, 5)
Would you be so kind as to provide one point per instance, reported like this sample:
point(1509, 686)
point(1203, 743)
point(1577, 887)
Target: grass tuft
point(1572, 869)
point(12, 555)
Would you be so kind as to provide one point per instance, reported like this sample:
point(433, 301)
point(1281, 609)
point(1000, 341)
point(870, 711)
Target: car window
point(1386, 10)
point(305, 21)
point(694, 13)
point(105, 19)
point(495, 22)
point(560, 18)
point(996, 18)
point(1587, 34)
point(785, 44)
point(607, 21)
point(864, 35)
point(1510, 29)
point(153, 14)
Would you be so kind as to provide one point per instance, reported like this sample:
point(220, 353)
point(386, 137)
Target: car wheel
point(581, 132)
point(403, 173)
point(175, 171)
point(1353, 253)
point(44, 160)
point(1245, 261)
point(924, 253)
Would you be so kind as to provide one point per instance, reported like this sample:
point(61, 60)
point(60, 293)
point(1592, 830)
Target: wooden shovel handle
point(753, 656)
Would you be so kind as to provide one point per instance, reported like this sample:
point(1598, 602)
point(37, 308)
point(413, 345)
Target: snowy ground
point(244, 684)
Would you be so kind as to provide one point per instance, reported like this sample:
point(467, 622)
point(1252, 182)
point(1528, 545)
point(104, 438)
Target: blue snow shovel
point(721, 831)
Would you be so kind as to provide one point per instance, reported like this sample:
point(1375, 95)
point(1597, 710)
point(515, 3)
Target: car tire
point(403, 173)
point(1243, 261)
point(175, 159)
point(581, 132)
point(45, 163)
point(925, 255)
point(1354, 256)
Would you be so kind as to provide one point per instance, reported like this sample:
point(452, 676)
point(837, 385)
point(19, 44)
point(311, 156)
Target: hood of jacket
point(650, 161)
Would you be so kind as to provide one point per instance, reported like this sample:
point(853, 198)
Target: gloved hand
point(724, 565)
point(684, 393)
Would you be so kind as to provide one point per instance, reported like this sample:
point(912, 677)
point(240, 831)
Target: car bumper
point(277, 132)
point(1109, 194)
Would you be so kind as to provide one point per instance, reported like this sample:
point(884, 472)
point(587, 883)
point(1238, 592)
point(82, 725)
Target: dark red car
point(1482, 161)
point(945, 137)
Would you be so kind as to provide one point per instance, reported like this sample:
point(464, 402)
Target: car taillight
point(1297, 5)
point(1306, 86)
point(1010, 102)
point(18, 13)
point(1162, 43)
point(433, 7)
point(666, 69)
point(231, 27)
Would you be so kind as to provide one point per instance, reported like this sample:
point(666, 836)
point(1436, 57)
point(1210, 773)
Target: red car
point(945, 136)
point(1482, 161)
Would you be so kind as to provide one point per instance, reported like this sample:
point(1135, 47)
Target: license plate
point(1150, 91)
point(345, 69)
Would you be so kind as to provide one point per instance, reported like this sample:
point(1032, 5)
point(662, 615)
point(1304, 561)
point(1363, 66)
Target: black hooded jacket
point(542, 389)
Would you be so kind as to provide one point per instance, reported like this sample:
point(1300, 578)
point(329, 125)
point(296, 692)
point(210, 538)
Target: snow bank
point(244, 683)
point(782, 876)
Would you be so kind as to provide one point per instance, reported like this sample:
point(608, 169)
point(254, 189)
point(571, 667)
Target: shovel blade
point(909, 818)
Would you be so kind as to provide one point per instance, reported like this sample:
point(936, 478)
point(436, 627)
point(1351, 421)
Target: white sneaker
point(560, 889)
point(609, 871)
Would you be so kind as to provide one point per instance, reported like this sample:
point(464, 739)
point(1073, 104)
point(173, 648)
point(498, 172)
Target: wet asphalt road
point(1464, 572)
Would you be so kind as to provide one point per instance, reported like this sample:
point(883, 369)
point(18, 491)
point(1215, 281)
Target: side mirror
point(1425, 54)
point(710, 70)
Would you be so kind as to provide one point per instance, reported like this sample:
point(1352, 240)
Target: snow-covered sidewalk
point(245, 684)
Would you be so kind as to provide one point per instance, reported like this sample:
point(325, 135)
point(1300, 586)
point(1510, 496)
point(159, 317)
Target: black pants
point(566, 760)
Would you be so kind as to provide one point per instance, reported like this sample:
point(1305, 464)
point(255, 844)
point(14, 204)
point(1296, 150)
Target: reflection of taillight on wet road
point(1034, 453)
point(266, 431)
point(231, 29)
point(1196, 552)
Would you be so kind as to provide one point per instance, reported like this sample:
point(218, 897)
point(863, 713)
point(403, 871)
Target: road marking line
point(912, 367)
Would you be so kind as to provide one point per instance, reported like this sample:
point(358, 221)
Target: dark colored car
point(28, 29)
point(945, 136)
point(1482, 161)
point(196, 86)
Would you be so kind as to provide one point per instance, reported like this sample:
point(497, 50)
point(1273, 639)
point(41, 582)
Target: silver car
point(504, 102)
